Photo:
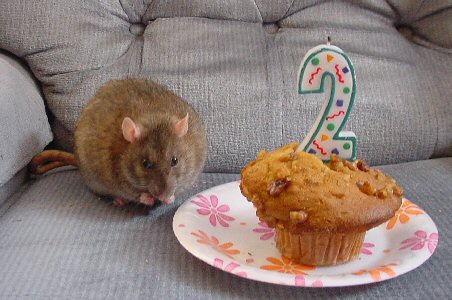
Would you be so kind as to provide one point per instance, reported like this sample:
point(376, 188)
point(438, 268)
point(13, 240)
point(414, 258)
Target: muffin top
point(298, 192)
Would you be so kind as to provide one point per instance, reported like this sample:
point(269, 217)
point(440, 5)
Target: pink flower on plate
point(209, 207)
point(266, 231)
point(219, 263)
point(364, 249)
point(419, 240)
point(301, 281)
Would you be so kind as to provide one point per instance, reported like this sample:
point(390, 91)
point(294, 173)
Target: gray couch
point(236, 62)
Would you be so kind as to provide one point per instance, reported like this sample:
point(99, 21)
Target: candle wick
point(328, 40)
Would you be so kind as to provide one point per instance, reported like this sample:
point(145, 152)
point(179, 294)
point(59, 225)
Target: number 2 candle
point(326, 136)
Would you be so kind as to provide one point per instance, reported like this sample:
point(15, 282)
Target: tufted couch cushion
point(24, 128)
point(236, 62)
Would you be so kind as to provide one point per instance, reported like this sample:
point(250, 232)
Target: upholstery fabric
point(24, 128)
point(427, 18)
point(236, 62)
point(14, 184)
point(59, 241)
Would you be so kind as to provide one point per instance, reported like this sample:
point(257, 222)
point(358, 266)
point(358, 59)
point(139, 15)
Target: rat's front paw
point(169, 200)
point(147, 199)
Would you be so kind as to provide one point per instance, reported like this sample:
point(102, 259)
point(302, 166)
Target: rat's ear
point(130, 131)
point(181, 127)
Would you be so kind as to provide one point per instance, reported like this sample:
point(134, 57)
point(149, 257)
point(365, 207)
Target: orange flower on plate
point(376, 273)
point(407, 208)
point(215, 243)
point(285, 265)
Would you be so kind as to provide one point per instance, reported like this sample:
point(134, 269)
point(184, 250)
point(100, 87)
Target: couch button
point(137, 29)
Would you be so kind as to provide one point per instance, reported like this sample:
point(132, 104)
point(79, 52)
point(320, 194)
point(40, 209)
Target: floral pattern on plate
point(220, 227)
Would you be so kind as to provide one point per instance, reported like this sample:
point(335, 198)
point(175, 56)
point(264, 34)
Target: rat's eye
point(146, 164)
point(174, 161)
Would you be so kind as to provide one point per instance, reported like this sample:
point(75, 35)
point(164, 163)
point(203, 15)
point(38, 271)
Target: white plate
point(220, 227)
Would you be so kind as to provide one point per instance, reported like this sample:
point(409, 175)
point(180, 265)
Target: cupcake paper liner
point(319, 248)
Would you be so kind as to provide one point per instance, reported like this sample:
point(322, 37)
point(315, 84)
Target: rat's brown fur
point(110, 165)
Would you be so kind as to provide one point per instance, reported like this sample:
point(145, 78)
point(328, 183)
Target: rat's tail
point(51, 159)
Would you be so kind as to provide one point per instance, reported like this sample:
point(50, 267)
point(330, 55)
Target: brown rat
point(137, 141)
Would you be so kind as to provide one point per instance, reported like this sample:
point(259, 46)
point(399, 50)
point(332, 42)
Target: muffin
point(321, 212)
